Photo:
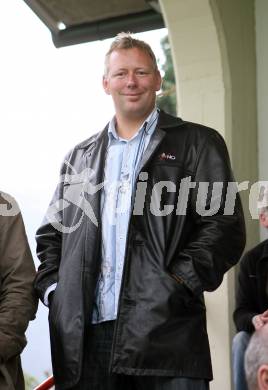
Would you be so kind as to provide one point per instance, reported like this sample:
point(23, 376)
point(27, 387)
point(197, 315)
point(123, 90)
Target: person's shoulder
point(85, 146)
point(194, 129)
point(9, 209)
point(5, 198)
point(261, 247)
point(7, 201)
point(257, 252)
point(88, 142)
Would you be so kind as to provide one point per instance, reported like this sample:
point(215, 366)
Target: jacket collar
point(96, 147)
point(166, 121)
point(264, 253)
point(100, 141)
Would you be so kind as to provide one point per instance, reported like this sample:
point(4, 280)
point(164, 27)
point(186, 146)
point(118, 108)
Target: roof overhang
point(78, 21)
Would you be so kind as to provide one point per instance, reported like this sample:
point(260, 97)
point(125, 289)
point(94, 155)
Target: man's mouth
point(131, 94)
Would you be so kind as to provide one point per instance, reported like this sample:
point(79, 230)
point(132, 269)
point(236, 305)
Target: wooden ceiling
point(77, 21)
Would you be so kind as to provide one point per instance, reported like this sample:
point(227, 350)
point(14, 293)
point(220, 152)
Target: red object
point(47, 384)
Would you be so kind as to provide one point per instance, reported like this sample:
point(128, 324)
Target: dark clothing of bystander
point(18, 302)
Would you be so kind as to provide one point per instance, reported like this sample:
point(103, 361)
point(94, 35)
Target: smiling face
point(132, 81)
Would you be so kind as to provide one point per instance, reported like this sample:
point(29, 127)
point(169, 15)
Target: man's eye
point(141, 72)
point(120, 74)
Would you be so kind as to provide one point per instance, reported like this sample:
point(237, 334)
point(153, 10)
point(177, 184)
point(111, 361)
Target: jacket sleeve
point(246, 305)
point(217, 240)
point(18, 302)
point(49, 242)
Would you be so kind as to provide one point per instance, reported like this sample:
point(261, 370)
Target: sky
point(50, 100)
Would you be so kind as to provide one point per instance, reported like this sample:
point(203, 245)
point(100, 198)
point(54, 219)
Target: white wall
point(213, 48)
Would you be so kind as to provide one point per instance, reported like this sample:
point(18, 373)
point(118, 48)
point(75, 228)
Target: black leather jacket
point(252, 292)
point(161, 324)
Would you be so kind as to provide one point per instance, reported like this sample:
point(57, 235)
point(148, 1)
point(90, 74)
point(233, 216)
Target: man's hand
point(260, 320)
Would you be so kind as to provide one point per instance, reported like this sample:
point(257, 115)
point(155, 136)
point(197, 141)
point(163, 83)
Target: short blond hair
point(125, 40)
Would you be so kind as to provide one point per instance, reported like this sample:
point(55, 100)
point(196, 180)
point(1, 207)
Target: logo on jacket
point(167, 156)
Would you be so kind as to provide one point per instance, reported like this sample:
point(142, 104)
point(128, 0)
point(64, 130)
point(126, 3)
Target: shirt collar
point(147, 125)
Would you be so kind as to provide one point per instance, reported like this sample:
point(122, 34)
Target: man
point(128, 309)
point(251, 311)
point(256, 360)
point(18, 301)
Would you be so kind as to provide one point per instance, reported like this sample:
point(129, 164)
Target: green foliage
point(167, 99)
point(30, 382)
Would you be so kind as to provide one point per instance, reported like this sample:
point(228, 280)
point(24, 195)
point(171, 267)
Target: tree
point(166, 100)
point(30, 382)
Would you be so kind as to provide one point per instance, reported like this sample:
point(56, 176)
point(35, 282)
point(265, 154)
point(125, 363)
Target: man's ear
point(159, 81)
point(262, 377)
point(105, 84)
point(264, 219)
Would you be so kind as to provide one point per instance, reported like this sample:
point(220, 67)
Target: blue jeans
point(240, 343)
point(95, 375)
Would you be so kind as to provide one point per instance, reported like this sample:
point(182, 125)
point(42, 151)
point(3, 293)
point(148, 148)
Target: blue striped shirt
point(121, 168)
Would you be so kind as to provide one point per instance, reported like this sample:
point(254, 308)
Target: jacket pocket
point(180, 291)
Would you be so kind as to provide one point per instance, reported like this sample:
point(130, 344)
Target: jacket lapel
point(95, 160)
point(165, 121)
point(155, 140)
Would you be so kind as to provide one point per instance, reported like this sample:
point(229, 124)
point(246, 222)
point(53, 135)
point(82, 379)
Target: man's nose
point(131, 80)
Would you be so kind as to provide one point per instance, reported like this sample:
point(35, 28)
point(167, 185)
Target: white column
point(213, 46)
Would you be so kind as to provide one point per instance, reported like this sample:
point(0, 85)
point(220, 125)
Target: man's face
point(132, 81)
point(264, 218)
